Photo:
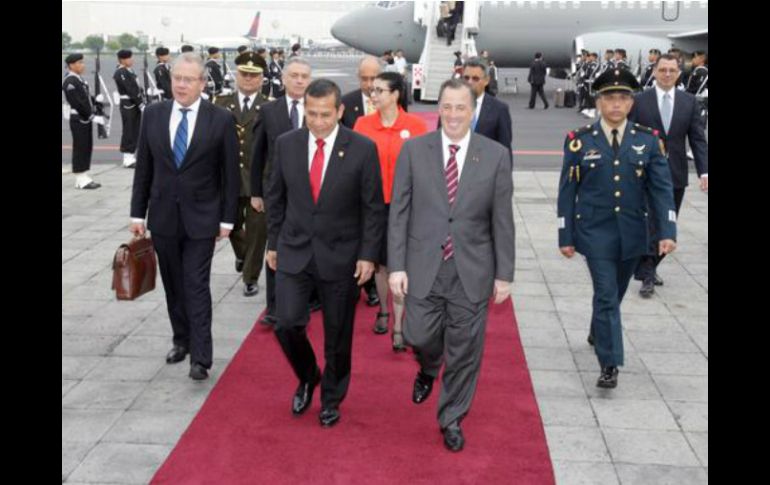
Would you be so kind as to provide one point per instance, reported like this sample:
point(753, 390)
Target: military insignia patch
point(639, 149)
point(575, 145)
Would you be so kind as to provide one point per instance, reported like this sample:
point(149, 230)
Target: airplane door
point(670, 11)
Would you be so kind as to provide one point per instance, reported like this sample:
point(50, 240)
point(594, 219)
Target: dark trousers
point(131, 119)
point(537, 89)
point(446, 327)
point(610, 279)
point(82, 144)
point(338, 303)
point(185, 268)
point(649, 262)
point(248, 238)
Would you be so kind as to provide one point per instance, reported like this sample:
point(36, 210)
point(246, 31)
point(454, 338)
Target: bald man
point(358, 103)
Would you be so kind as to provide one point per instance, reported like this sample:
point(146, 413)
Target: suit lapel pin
point(639, 149)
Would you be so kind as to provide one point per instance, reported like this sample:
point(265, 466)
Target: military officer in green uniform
point(249, 236)
point(611, 169)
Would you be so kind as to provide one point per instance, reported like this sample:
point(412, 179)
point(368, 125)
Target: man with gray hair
point(186, 184)
point(450, 247)
point(282, 115)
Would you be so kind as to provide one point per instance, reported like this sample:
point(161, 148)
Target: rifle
point(102, 130)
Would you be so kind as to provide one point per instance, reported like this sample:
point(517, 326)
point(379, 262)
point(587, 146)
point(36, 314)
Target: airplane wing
point(692, 35)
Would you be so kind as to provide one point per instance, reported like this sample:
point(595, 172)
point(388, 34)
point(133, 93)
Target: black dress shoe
point(648, 288)
point(608, 379)
point(176, 354)
point(329, 417)
point(453, 437)
point(590, 338)
point(423, 384)
point(372, 298)
point(315, 305)
point(304, 394)
point(250, 289)
point(238, 265)
point(658, 280)
point(198, 372)
point(268, 320)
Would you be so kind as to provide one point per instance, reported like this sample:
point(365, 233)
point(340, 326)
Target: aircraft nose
point(346, 27)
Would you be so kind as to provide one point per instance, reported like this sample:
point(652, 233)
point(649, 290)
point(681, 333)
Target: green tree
point(94, 42)
point(127, 41)
point(66, 40)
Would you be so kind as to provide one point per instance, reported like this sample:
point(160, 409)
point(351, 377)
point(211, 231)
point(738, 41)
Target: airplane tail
point(252, 33)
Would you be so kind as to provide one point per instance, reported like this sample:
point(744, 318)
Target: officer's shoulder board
point(651, 131)
point(573, 138)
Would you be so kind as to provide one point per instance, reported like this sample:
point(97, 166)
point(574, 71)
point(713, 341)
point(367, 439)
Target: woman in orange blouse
point(389, 127)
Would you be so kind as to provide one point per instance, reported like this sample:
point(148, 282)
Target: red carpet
point(245, 432)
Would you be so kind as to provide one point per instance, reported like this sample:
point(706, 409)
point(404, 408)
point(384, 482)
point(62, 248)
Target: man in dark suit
point(536, 79)
point(282, 115)
point(676, 115)
point(491, 117)
point(187, 172)
point(359, 103)
point(326, 218)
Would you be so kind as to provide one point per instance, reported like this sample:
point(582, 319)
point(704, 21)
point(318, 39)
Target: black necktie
point(294, 115)
point(615, 144)
point(245, 104)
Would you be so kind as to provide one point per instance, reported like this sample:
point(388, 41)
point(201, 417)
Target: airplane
point(512, 31)
point(231, 43)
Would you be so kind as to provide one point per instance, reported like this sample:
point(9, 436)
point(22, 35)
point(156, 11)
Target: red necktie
point(451, 173)
point(316, 170)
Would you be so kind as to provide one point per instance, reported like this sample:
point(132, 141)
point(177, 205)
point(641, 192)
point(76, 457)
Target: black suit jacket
point(494, 122)
point(686, 122)
point(273, 123)
point(205, 188)
point(346, 225)
point(354, 108)
point(537, 72)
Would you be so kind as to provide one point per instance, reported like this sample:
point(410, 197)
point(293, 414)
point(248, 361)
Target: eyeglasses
point(473, 78)
point(380, 90)
point(184, 79)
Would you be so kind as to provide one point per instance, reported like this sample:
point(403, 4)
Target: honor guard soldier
point(612, 169)
point(647, 78)
point(276, 74)
point(131, 106)
point(698, 81)
point(266, 77)
point(215, 77)
point(249, 236)
point(81, 118)
point(162, 73)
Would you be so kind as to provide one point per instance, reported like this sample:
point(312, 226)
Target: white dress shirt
point(300, 109)
point(461, 153)
point(328, 147)
point(192, 118)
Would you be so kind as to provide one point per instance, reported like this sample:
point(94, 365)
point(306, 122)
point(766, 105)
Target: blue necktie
point(180, 139)
point(474, 122)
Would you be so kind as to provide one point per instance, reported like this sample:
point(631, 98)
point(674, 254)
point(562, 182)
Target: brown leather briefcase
point(134, 269)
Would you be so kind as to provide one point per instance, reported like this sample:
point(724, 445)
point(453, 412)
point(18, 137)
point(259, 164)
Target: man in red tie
point(326, 218)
